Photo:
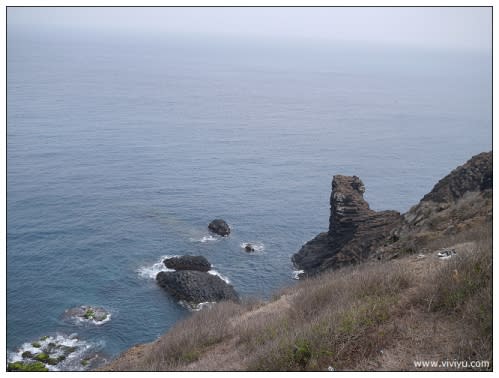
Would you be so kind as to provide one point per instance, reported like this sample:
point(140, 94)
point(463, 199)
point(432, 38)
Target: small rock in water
point(249, 248)
point(88, 313)
point(219, 227)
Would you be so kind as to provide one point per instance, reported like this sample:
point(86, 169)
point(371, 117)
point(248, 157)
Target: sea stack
point(354, 230)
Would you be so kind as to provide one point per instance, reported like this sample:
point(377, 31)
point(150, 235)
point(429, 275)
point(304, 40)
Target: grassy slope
point(376, 316)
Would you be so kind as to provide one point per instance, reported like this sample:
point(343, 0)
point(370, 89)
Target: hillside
point(390, 292)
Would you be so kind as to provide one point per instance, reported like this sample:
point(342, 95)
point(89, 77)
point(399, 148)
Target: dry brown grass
point(376, 316)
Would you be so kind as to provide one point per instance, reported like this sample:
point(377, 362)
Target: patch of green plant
point(371, 311)
point(89, 314)
point(26, 366)
point(85, 362)
point(36, 344)
point(43, 357)
point(190, 356)
point(454, 294)
point(302, 353)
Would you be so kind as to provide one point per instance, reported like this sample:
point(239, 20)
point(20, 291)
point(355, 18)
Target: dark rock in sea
point(219, 227)
point(354, 230)
point(198, 263)
point(249, 248)
point(196, 287)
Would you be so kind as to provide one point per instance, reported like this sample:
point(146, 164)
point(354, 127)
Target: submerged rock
point(49, 353)
point(93, 314)
point(196, 287)
point(198, 263)
point(219, 227)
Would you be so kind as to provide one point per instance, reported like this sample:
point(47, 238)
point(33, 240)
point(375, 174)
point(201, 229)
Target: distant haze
point(433, 27)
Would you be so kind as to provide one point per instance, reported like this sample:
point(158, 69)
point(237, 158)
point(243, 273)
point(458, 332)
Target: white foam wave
point(204, 239)
point(151, 271)
point(81, 320)
point(215, 273)
point(296, 274)
point(70, 349)
point(258, 247)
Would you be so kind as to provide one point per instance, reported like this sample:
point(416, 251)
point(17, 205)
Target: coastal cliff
point(357, 233)
point(423, 275)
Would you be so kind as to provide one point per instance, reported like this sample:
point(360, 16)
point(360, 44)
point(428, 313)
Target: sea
point(121, 148)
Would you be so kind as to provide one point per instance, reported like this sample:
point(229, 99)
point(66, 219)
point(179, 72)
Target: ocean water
point(121, 150)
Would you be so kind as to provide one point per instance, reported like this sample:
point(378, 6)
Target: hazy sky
point(467, 27)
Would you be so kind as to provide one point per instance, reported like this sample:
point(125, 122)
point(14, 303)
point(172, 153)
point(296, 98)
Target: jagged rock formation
point(196, 287)
point(457, 203)
point(219, 227)
point(355, 231)
point(473, 176)
point(198, 263)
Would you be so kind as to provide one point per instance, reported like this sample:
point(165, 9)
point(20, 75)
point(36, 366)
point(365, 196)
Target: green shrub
point(26, 366)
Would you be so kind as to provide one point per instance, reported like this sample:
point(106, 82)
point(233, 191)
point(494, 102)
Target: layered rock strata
point(354, 230)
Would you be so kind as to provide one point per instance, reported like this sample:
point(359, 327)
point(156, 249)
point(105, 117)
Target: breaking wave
point(151, 271)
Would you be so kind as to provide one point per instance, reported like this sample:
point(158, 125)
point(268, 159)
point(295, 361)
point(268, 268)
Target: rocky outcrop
point(473, 176)
point(219, 227)
point(459, 202)
point(196, 287)
point(198, 263)
point(355, 231)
